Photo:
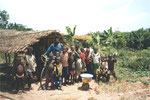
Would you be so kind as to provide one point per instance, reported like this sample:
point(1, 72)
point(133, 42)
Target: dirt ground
point(104, 91)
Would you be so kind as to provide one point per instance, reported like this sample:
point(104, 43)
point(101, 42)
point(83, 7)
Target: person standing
point(64, 60)
point(30, 65)
point(96, 61)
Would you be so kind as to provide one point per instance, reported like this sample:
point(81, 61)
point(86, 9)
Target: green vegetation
point(139, 39)
point(5, 24)
point(145, 82)
point(133, 49)
point(70, 35)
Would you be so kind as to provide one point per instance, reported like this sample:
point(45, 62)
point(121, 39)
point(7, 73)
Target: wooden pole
point(6, 58)
point(9, 58)
point(15, 56)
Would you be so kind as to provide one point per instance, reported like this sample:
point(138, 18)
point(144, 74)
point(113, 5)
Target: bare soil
point(114, 90)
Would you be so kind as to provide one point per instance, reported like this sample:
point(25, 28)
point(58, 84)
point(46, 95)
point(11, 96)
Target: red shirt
point(82, 55)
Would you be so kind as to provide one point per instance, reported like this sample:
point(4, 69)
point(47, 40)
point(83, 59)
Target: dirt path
point(111, 91)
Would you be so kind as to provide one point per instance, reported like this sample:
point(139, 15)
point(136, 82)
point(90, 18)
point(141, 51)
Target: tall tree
point(4, 17)
point(4, 24)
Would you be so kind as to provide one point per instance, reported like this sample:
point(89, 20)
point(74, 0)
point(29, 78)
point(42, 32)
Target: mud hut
point(15, 42)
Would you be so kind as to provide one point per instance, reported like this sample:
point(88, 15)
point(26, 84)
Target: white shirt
point(96, 58)
point(31, 63)
point(91, 50)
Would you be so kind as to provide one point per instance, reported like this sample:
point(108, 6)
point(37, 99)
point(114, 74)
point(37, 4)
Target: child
point(78, 68)
point(20, 75)
point(96, 60)
point(111, 61)
point(103, 72)
point(82, 56)
point(64, 60)
point(50, 72)
point(89, 61)
point(72, 67)
point(104, 62)
point(30, 65)
point(58, 72)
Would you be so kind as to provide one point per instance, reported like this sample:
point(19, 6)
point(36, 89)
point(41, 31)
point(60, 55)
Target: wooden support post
point(15, 56)
point(9, 58)
point(6, 58)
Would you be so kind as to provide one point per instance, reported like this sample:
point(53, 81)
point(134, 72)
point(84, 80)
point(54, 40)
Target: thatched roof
point(80, 37)
point(83, 37)
point(15, 41)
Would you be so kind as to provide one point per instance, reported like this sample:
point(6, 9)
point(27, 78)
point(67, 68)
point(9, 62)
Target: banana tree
point(96, 40)
point(70, 34)
point(109, 38)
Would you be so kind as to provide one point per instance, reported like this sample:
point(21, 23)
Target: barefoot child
point(72, 67)
point(64, 60)
point(30, 65)
point(89, 61)
point(103, 71)
point(82, 56)
point(50, 72)
point(20, 75)
point(96, 61)
point(58, 72)
point(111, 61)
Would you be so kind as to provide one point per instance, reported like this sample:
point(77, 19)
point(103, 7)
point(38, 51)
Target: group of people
point(24, 70)
point(65, 64)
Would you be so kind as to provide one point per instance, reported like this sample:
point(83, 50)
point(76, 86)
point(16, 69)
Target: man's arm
point(49, 49)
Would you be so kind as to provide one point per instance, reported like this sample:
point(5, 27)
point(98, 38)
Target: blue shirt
point(54, 48)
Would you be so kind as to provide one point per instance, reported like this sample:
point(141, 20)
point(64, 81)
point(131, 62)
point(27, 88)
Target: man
point(55, 47)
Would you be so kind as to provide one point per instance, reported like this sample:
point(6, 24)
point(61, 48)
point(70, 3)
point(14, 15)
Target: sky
point(88, 15)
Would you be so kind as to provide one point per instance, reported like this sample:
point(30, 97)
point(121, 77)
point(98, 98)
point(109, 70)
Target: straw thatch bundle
point(80, 37)
point(12, 41)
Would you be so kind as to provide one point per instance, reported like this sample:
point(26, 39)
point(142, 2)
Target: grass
point(2, 58)
point(131, 64)
point(145, 82)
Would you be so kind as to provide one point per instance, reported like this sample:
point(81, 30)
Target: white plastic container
point(86, 78)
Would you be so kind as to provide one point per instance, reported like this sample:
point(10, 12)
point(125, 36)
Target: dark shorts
point(30, 73)
point(65, 71)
